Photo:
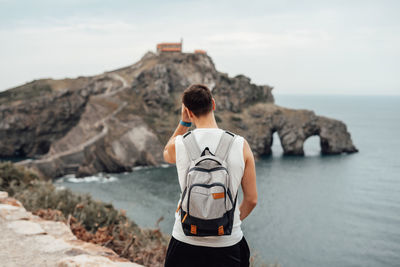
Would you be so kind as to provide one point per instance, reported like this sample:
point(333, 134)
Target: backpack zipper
point(207, 170)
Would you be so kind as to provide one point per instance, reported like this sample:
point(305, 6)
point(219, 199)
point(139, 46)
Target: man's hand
point(169, 150)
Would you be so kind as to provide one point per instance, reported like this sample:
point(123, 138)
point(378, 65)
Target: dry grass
point(92, 221)
point(27, 91)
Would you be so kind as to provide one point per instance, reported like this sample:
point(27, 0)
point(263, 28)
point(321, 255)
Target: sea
point(313, 210)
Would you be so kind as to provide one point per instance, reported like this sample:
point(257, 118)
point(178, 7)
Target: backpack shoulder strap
point(224, 145)
point(191, 145)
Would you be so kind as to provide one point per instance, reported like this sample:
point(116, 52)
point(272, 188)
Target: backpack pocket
point(206, 212)
point(207, 202)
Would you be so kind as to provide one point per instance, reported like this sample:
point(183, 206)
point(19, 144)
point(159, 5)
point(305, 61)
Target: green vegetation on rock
point(27, 91)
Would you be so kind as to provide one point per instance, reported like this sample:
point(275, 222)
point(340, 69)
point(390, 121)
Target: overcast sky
point(299, 47)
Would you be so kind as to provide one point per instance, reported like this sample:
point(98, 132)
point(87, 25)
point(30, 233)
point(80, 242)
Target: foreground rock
point(120, 119)
point(28, 240)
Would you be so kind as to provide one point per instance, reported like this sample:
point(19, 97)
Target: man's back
point(198, 107)
point(210, 137)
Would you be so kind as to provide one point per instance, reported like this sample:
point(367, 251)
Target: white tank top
point(209, 137)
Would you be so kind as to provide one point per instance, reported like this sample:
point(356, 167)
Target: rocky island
point(120, 119)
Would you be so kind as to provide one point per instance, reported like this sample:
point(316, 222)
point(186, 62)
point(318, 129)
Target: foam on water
point(98, 178)
point(138, 168)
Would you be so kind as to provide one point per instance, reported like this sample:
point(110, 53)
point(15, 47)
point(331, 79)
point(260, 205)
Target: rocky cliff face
point(123, 118)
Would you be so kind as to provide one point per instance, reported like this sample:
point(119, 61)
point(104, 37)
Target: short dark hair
point(198, 99)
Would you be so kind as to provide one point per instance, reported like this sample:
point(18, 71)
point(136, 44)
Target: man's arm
point(248, 183)
point(169, 150)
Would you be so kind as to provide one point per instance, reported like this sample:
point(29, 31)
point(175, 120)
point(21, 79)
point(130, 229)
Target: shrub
point(11, 177)
point(90, 220)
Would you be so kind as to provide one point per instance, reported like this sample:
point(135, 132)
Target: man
point(198, 107)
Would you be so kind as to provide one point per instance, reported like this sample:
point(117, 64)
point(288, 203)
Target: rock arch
point(294, 127)
point(333, 134)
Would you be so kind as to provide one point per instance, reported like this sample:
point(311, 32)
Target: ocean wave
point(98, 178)
point(137, 168)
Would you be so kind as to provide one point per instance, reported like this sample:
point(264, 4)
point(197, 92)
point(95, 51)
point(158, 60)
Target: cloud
point(265, 40)
point(323, 49)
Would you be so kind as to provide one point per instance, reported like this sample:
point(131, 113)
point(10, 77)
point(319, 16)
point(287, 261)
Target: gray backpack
point(207, 205)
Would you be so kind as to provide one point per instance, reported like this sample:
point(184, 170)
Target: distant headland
point(120, 119)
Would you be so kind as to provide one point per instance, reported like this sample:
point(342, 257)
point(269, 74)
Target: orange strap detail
point(184, 218)
point(218, 195)
point(179, 206)
point(193, 229)
point(221, 230)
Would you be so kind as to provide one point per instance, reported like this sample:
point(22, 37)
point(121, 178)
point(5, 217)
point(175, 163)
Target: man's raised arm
point(169, 150)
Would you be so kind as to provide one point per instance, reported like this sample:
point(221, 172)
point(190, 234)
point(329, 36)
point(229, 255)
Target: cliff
point(28, 240)
point(119, 119)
